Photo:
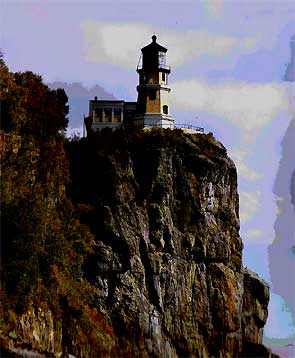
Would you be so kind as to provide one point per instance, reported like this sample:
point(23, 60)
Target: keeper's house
point(110, 113)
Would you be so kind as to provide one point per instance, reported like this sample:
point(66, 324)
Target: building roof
point(154, 46)
point(112, 101)
point(107, 100)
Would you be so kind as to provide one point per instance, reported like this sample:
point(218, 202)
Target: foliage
point(44, 245)
point(34, 173)
point(2, 63)
point(28, 106)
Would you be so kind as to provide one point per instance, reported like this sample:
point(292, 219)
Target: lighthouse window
point(165, 109)
point(153, 95)
point(163, 77)
point(142, 79)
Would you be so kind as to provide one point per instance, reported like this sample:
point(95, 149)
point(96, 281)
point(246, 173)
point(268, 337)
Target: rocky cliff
point(167, 260)
point(168, 256)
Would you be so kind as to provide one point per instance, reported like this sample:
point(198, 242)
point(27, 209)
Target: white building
point(110, 113)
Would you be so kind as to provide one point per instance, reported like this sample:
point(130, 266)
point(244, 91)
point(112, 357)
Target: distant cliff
point(284, 191)
point(79, 96)
point(282, 250)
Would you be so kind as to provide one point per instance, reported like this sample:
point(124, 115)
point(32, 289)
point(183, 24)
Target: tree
point(2, 63)
point(28, 106)
point(39, 228)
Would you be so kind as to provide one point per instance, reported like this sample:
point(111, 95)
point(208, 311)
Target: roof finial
point(154, 37)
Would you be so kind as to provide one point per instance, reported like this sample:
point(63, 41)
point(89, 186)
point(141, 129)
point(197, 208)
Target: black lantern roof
point(153, 46)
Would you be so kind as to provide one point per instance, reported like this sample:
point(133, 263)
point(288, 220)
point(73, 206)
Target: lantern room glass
point(162, 59)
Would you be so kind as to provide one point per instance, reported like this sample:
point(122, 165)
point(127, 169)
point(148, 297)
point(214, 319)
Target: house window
point(108, 115)
point(165, 109)
point(117, 115)
point(163, 77)
point(98, 115)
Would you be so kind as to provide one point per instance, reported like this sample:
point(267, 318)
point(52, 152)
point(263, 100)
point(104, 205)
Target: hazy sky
point(228, 61)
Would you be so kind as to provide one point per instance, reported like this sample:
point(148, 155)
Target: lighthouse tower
point(152, 109)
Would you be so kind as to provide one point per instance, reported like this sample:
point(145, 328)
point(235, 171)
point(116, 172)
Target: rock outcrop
point(37, 334)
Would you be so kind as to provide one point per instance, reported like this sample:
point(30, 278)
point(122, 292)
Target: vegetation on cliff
point(43, 242)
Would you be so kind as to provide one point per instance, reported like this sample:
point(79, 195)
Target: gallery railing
point(173, 126)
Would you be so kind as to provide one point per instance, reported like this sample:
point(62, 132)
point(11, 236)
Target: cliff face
point(168, 256)
point(167, 259)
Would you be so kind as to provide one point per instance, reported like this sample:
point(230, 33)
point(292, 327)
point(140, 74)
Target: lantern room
point(153, 57)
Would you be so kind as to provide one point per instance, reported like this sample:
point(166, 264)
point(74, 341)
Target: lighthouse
point(152, 107)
